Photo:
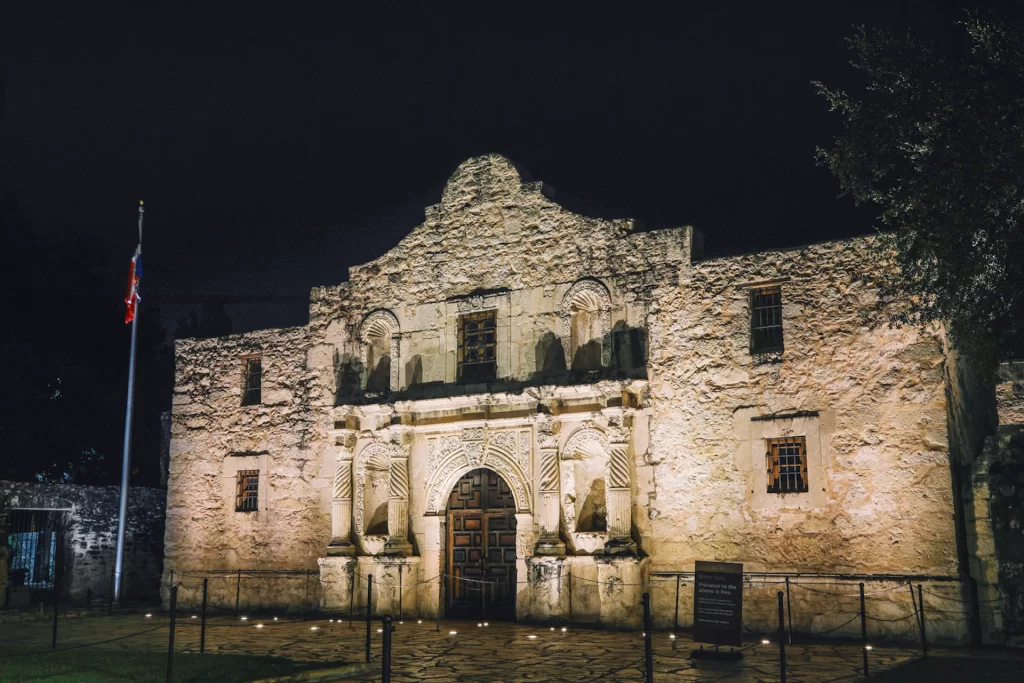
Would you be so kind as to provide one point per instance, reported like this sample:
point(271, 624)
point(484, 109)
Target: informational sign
point(718, 603)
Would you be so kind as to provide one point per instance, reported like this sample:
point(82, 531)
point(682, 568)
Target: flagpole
point(125, 464)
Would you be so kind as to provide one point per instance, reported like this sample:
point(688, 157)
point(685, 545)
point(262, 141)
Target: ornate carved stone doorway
point(481, 557)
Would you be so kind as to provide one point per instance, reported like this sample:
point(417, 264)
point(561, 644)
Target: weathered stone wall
point(681, 441)
point(492, 242)
point(90, 535)
point(213, 436)
point(872, 397)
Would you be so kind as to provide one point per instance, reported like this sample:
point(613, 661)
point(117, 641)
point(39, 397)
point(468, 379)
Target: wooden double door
point(481, 562)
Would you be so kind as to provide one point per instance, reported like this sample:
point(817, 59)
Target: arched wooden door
point(481, 548)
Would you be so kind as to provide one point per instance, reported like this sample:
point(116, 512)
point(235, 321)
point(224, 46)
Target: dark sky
point(276, 147)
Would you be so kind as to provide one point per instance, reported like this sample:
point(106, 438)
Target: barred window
point(477, 346)
point(253, 381)
point(247, 491)
point(786, 463)
point(765, 319)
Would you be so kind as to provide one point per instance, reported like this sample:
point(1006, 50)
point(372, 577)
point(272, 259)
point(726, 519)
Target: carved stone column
point(398, 508)
point(341, 502)
point(619, 496)
point(548, 542)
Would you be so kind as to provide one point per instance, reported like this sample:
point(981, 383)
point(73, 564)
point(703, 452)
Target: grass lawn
point(91, 664)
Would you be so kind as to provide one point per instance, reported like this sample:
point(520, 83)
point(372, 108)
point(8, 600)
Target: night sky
point(276, 147)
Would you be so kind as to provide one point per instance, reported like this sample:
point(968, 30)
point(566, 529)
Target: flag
point(131, 299)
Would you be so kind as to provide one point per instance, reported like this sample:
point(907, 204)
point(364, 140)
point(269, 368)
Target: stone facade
point(626, 413)
point(89, 515)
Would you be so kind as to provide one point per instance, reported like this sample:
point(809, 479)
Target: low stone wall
point(90, 535)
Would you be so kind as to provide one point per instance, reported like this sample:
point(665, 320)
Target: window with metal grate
point(786, 464)
point(247, 491)
point(478, 346)
point(766, 320)
point(252, 381)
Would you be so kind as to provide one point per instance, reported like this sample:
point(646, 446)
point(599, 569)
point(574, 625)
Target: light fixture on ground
point(149, 614)
point(259, 625)
point(314, 628)
point(531, 637)
point(867, 647)
point(452, 633)
point(765, 641)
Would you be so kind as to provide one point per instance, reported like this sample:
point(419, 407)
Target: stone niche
point(381, 492)
point(595, 487)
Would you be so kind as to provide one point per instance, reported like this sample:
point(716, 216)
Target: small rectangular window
point(253, 381)
point(247, 491)
point(786, 462)
point(766, 320)
point(477, 346)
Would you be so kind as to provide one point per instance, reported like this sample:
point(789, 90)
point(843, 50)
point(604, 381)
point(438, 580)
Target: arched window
point(380, 339)
point(586, 326)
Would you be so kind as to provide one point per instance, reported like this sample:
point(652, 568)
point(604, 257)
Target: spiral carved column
point(398, 508)
point(620, 505)
point(341, 501)
point(549, 543)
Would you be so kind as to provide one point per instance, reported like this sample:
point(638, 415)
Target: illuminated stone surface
point(623, 366)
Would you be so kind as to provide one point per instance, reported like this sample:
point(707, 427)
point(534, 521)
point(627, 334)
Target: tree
point(935, 139)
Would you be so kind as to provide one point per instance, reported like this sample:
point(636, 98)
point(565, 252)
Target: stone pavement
point(465, 651)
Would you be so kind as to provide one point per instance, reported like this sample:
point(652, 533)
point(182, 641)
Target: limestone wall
point(681, 440)
point(90, 535)
point(213, 436)
point(869, 399)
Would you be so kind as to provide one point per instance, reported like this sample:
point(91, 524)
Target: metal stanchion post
point(385, 659)
point(437, 615)
point(863, 630)
point(238, 592)
point(675, 622)
point(170, 637)
point(570, 598)
point(202, 618)
point(399, 593)
point(789, 613)
point(110, 601)
point(483, 599)
point(369, 614)
point(351, 596)
point(56, 603)
point(924, 636)
point(782, 641)
point(648, 651)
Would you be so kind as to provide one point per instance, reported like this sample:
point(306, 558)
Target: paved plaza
point(465, 651)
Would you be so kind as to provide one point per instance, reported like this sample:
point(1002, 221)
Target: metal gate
point(35, 539)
